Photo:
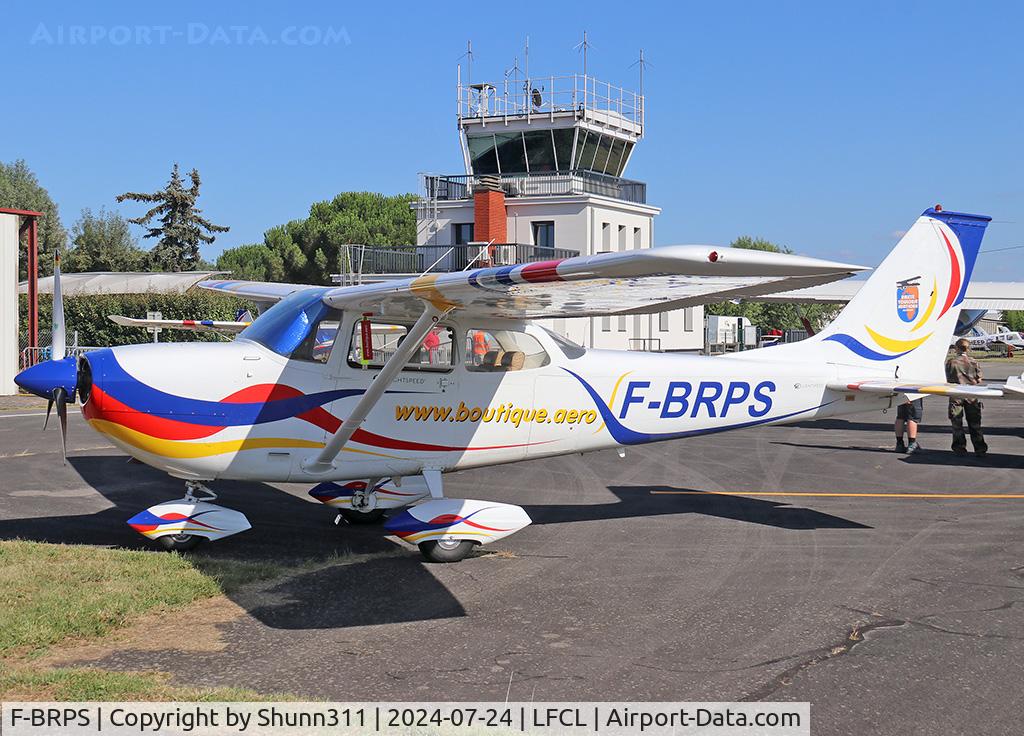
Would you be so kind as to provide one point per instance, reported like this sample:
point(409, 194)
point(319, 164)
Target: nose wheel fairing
point(189, 517)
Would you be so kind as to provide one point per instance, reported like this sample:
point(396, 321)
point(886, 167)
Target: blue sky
point(824, 126)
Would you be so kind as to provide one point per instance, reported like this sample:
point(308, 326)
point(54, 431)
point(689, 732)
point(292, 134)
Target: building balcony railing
point(446, 187)
point(549, 96)
point(366, 260)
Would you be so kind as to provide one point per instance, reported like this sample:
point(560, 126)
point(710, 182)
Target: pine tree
point(182, 227)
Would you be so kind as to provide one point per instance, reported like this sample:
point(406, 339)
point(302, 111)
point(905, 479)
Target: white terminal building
point(544, 162)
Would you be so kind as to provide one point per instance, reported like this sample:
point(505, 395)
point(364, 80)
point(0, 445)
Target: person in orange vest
point(479, 346)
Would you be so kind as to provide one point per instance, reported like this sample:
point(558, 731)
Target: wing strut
point(323, 462)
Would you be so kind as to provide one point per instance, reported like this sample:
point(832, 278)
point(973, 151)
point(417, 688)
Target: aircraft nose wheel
point(446, 550)
point(179, 542)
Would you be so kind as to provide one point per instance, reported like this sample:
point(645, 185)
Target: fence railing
point(31, 356)
point(447, 187)
point(539, 96)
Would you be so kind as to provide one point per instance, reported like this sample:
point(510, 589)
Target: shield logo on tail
point(908, 300)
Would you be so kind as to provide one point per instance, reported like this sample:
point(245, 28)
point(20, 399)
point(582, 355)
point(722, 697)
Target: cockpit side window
point(436, 353)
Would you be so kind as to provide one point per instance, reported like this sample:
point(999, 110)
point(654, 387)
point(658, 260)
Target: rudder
point(904, 315)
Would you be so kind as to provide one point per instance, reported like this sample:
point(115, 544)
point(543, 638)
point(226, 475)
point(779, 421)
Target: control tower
point(544, 177)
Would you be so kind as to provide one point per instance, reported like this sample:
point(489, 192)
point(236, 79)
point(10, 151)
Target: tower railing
point(448, 187)
point(548, 96)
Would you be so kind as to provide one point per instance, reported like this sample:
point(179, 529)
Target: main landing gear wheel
point(362, 517)
point(446, 550)
point(179, 542)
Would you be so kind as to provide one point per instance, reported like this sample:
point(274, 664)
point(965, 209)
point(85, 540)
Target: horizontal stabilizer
point(194, 325)
point(892, 387)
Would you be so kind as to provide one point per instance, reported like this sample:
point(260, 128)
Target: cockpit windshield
point(300, 326)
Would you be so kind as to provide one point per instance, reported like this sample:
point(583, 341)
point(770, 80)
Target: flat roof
point(113, 282)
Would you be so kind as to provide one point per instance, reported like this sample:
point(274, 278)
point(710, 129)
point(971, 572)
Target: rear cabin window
point(502, 351)
point(436, 353)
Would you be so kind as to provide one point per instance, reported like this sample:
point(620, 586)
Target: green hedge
point(88, 315)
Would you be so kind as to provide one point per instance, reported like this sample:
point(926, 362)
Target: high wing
point(980, 294)
point(264, 293)
point(630, 282)
point(194, 325)
point(951, 390)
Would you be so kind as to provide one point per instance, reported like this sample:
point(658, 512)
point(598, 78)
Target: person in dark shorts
point(908, 415)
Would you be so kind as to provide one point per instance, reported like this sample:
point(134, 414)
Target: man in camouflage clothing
point(963, 369)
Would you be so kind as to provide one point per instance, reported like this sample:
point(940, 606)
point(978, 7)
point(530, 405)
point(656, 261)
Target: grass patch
point(53, 592)
point(79, 683)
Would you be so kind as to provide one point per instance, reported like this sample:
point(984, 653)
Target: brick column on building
point(490, 220)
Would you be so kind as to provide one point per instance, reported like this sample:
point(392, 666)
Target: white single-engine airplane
point(372, 392)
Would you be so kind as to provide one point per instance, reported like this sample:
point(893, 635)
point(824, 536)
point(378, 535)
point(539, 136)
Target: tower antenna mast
point(643, 64)
point(468, 56)
point(584, 46)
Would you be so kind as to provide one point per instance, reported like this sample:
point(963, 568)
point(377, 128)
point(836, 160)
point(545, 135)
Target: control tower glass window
point(625, 157)
point(482, 156)
point(586, 150)
point(511, 154)
point(601, 157)
point(563, 148)
point(615, 157)
point(540, 151)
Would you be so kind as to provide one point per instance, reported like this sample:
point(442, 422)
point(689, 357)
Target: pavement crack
point(855, 636)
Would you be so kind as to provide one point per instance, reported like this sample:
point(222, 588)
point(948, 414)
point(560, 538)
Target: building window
point(544, 234)
point(606, 324)
point(663, 322)
point(622, 324)
point(622, 237)
point(638, 242)
point(606, 236)
point(462, 233)
point(688, 319)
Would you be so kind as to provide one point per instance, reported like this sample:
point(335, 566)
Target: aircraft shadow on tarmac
point(388, 587)
point(639, 501)
point(940, 427)
point(927, 455)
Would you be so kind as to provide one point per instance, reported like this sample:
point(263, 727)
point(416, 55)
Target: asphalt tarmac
point(887, 590)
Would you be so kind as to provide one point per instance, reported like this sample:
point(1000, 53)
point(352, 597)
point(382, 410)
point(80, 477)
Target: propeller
point(56, 379)
point(60, 398)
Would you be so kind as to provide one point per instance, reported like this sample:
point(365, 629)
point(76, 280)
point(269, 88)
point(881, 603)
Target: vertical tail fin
point(904, 316)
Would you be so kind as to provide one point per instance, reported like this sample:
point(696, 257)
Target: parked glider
point(372, 392)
